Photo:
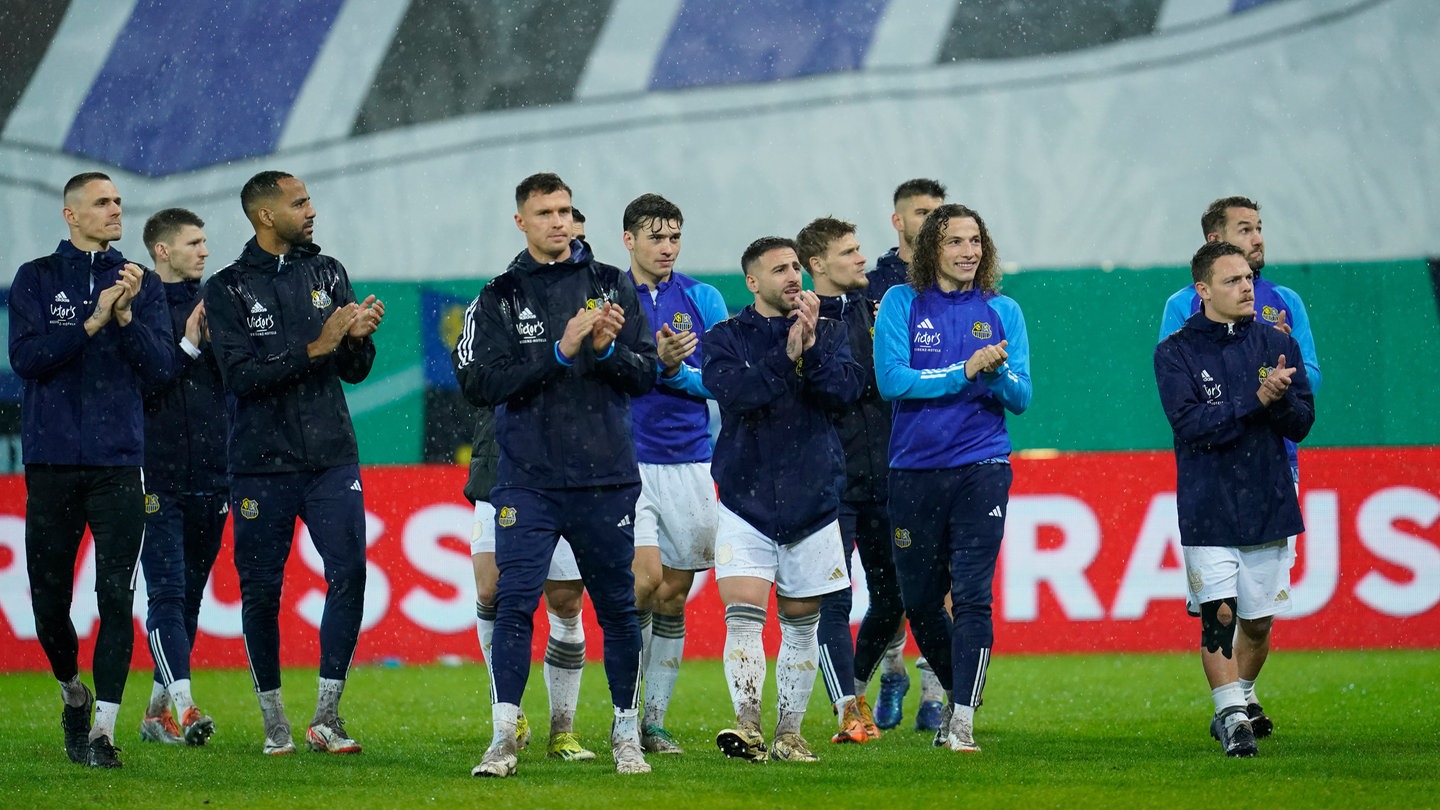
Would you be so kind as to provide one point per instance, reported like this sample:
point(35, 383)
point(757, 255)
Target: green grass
point(1354, 728)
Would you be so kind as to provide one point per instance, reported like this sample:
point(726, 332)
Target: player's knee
point(1217, 626)
point(1257, 630)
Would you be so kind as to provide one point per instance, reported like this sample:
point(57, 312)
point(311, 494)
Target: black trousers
point(61, 500)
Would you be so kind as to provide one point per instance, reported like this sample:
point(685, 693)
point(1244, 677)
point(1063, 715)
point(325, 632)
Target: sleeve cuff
point(190, 348)
point(562, 359)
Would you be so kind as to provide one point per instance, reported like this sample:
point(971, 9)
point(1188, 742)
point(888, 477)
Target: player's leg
point(527, 527)
point(977, 522)
point(647, 567)
point(600, 524)
point(1262, 585)
point(114, 508)
point(204, 522)
point(54, 526)
point(837, 646)
point(685, 533)
point(662, 669)
point(920, 504)
point(884, 615)
point(564, 654)
point(334, 513)
point(265, 507)
point(162, 560)
point(746, 563)
point(1212, 573)
point(804, 576)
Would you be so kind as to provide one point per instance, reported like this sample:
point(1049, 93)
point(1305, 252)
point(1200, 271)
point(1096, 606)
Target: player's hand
point(987, 359)
point(104, 309)
point(577, 329)
point(334, 330)
point(802, 332)
point(673, 348)
point(196, 327)
point(1281, 324)
point(1276, 383)
point(607, 326)
point(372, 310)
point(131, 277)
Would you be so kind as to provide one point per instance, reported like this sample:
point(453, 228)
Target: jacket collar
point(98, 261)
point(255, 257)
point(580, 256)
point(1214, 330)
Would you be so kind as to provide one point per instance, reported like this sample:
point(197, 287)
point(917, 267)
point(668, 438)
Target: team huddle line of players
point(865, 414)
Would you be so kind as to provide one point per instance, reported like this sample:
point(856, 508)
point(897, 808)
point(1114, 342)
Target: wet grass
point(1357, 728)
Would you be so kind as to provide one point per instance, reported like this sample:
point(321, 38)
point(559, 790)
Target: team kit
point(861, 415)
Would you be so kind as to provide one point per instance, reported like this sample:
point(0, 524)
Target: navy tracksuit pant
point(60, 501)
point(182, 540)
point(599, 522)
point(947, 530)
point(331, 505)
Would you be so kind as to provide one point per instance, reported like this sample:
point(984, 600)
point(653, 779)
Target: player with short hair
point(953, 354)
point(675, 516)
point(829, 251)
point(1233, 400)
point(1236, 220)
point(913, 199)
point(557, 345)
point(777, 369)
point(188, 495)
point(87, 330)
point(287, 331)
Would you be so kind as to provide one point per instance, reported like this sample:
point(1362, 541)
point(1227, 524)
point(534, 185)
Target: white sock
point(73, 692)
point(502, 720)
point(931, 690)
point(180, 696)
point(1248, 687)
point(626, 725)
point(894, 660)
point(745, 660)
point(646, 618)
point(564, 664)
point(327, 706)
point(159, 700)
point(1228, 696)
point(662, 669)
point(272, 709)
point(105, 714)
point(795, 669)
point(484, 628)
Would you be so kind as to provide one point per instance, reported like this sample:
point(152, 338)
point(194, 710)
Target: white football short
point(809, 567)
point(1258, 577)
point(676, 511)
point(482, 541)
point(1291, 552)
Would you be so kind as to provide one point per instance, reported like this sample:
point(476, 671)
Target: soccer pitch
point(1357, 729)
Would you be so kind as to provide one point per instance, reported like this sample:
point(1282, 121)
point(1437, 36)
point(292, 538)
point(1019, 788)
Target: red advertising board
point(1089, 563)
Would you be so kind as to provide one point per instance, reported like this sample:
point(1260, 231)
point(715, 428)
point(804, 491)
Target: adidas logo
point(356, 485)
point(225, 508)
point(671, 663)
point(996, 512)
point(1283, 596)
point(925, 324)
point(625, 521)
point(62, 298)
point(1205, 376)
point(526, 314)
point(803, 666)
point(837, 574)
point(258, 307)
